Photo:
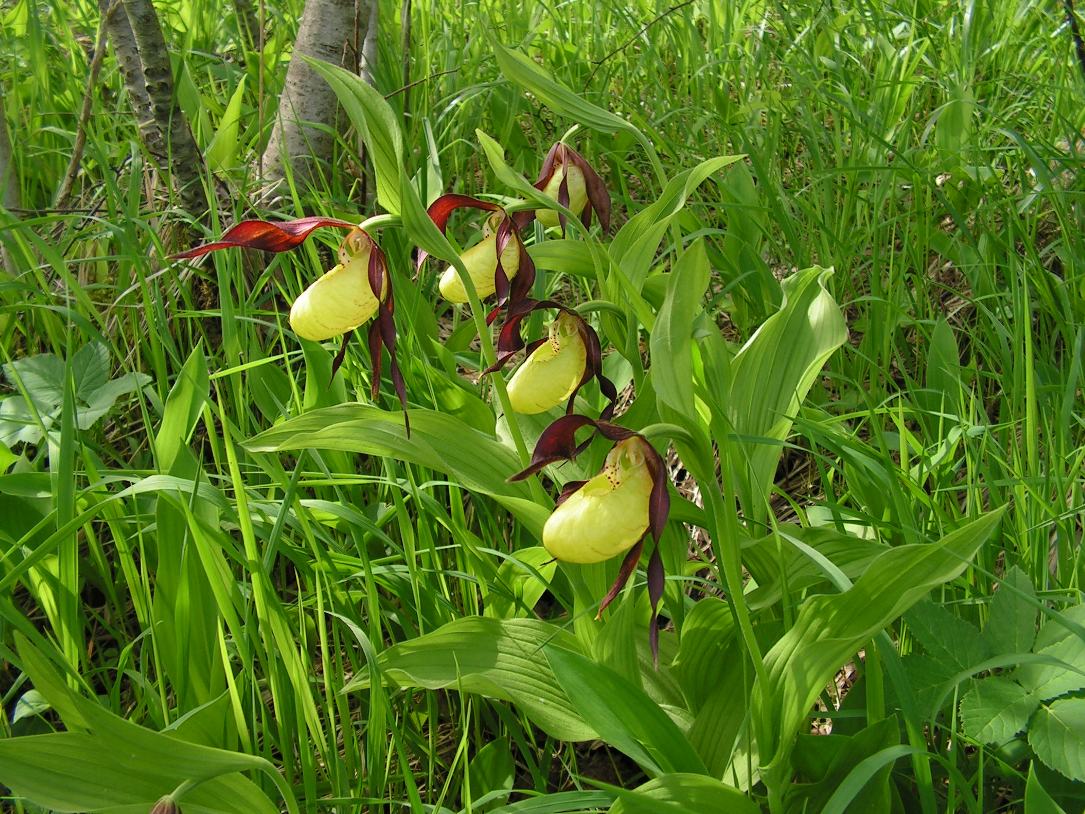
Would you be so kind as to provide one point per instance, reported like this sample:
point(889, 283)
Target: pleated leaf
point(497, 658)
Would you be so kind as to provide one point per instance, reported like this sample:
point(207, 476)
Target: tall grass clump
point(743, 472)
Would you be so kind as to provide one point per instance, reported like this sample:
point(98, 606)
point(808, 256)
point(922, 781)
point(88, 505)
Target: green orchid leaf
point(437, 441)
point(498, 658)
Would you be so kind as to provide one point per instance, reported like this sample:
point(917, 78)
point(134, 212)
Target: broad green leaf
point(634, 247)
point(502, 659)
point(492, 768)
point(829, 761)
point(775, 561)
point(996, 709)
point(707, 636)
point(76, 772)
point(559, 803)
point(221, 153)
point(183, 407)
point(671, 342)
point(520, 70)
point(770, 377)
point(524, 576)
point(946, 637)
point(830, 629)
point(439, 442)
point(1057, 734)
point(377, 122)
point(622, 714)
point(683, 792)
point(721, 716)
point(567, 256)
point(1037, 800)
point(1011, 625)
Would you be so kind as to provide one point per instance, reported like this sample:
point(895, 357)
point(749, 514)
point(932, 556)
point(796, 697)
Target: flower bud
point(338, 302)
point(609, 513)
point(481, 263)
point(553, 371)
point(166, 805)
point(578, 192)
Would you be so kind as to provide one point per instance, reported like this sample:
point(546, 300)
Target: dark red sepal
point(557, 443)
point(656, 581)
point(598, 197)
point(382, 332)
point(264, 235)
point(441, 210)
point(629, 565)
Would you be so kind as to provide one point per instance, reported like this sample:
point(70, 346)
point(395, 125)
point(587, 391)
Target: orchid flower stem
point(380, 221)
point(489, 356)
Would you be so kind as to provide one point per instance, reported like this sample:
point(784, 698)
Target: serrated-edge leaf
point(830, 629)
point(1057, 734)
point(996, 709)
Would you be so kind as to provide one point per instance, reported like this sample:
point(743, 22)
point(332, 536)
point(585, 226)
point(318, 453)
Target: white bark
point(302, 136)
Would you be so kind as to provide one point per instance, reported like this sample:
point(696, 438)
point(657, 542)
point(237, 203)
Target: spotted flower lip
point(568, 178)
point(553, 371)
point(608, 514)
point(557, 366)
point(342, 299)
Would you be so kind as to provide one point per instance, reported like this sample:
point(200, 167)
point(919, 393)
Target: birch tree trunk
point(166, 132)
point(301, 138)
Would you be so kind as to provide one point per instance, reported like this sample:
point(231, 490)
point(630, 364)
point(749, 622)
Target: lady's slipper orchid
point(612, 512)
point(481, 263)
point(340, 300)
point(499, 263)
point(569, 179)
point(556, 366)
point(608, 515)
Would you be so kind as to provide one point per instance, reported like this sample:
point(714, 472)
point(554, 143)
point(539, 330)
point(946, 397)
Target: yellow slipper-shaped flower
point(607, 515)
point(481, 263)
point(339, 301)
point(553, 371)
point(578, 193)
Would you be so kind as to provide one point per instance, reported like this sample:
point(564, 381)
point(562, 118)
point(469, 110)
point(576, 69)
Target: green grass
point(928, 152)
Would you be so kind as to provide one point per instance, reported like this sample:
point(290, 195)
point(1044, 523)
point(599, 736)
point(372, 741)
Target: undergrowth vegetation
point(827, 360)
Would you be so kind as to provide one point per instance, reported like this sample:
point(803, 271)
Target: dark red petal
point(656, 580)
point(509, 339)
point(547, 171)
point(598, 196)
point(375, 358)
point(264, 235)
point(557, 443)
point(337, 362)
point(659, 502)
point(441, 210)
point(613, 432)
point(388, 335)
point(524, 280)
point(629, 565)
